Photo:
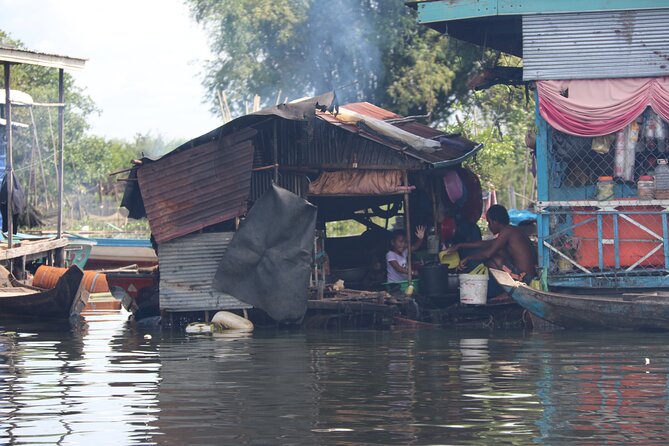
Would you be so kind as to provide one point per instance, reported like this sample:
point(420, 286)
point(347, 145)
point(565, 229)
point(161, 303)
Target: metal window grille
point(611, 236)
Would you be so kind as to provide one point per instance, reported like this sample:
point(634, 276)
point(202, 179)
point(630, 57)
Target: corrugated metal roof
point(596, 45)
point(187, 268)
point(196, 188)
point(204, 181)
point(21, 56)
point(452, 149)
point(320, 145)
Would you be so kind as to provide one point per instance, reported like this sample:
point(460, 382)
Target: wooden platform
point(31, 248)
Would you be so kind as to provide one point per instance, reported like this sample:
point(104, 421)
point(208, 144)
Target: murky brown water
point(107, 384)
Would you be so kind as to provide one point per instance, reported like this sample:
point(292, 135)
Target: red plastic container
point(634, 242)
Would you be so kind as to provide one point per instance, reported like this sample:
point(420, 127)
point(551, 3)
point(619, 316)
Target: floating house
point(600, 72)
point(352, 162)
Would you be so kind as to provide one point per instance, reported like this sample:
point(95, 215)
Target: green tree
point(365, 49)
point(500, 118)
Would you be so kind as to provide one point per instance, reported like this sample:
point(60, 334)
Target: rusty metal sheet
point(196, 188)
point(454, 148)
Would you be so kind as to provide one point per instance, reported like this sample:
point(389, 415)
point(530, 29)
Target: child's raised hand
point(420, 232)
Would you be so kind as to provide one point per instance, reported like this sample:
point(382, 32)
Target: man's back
point(519, 249)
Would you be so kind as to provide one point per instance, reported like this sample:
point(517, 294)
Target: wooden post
point(276, 152)
point(9, 168)
point(407, 223)
point(435, 207)
point(60, 257)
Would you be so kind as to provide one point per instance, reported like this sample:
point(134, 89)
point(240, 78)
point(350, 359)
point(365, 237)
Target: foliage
point(365, 49)
point(500, 117)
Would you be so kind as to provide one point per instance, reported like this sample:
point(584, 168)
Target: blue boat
point(636, 311)
point(109, 253)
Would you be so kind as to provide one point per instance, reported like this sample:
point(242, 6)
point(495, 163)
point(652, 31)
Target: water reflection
point(107, 384)
point(63, 386)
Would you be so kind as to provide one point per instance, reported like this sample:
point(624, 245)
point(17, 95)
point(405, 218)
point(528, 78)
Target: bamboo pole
point(407, 223)
point(60, 253)
point(9, 168)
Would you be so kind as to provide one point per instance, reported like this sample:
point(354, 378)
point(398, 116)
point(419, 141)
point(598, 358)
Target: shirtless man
point(511, 248)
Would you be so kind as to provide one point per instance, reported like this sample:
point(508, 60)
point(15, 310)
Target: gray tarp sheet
point(268, 261)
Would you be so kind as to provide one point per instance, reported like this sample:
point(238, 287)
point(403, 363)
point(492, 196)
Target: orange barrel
point(95, 282)
point(47, 277)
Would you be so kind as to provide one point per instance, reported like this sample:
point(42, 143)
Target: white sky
point(145, 60)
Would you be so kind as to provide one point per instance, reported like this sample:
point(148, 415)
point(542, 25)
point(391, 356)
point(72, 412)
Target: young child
point(396, 258)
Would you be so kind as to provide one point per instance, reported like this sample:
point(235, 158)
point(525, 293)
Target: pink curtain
point(599, 107)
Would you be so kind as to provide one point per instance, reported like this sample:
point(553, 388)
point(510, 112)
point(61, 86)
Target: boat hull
point(633, 312)
point(66, 299)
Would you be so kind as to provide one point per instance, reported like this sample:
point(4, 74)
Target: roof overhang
point(497, 24)
point(20, 56)
point(434, 11)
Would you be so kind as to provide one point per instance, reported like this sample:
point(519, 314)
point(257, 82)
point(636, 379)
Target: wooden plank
point(33, 248)
point(348, 306)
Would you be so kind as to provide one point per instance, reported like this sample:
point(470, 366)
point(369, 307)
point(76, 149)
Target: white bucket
point(473, 289)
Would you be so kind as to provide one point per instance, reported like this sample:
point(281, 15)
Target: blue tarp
point(518, 215)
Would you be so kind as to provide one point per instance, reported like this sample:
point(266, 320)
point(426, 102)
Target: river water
point(106, 383)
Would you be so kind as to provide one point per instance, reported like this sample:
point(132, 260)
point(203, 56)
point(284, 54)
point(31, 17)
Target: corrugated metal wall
point(187, 268)
point(262, 182)
point(596, 45)
point(199, 187)
point(323, 145)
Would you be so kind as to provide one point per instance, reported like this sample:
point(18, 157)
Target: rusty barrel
point(47, 277)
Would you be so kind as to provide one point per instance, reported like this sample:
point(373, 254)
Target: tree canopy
point(364, 49)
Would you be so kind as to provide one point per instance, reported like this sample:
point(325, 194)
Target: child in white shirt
point(396, 258)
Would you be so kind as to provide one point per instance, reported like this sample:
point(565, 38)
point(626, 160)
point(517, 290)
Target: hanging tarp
point(358, 182)
point(268, 261)
point(388, 130)
point(599, 107)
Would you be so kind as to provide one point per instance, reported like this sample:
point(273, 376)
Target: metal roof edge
point(431, 12)
point(21, 56)
point(459, 160)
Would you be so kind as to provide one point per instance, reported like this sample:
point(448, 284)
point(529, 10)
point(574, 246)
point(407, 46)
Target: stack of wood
point(349, 295)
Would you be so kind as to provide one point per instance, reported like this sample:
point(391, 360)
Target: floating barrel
point(47, 277)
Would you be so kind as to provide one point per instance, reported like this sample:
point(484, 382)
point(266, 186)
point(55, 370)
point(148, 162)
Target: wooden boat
point(66, 299)
point(110, 253)
point(131, 286)
point(648, 311)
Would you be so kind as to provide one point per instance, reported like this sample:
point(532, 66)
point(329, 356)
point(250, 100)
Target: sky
point(145, 60)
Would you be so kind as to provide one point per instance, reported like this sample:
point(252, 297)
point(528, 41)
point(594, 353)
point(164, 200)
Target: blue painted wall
point(446, 10)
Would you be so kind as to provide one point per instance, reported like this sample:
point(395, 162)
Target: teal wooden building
point(600, 70)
